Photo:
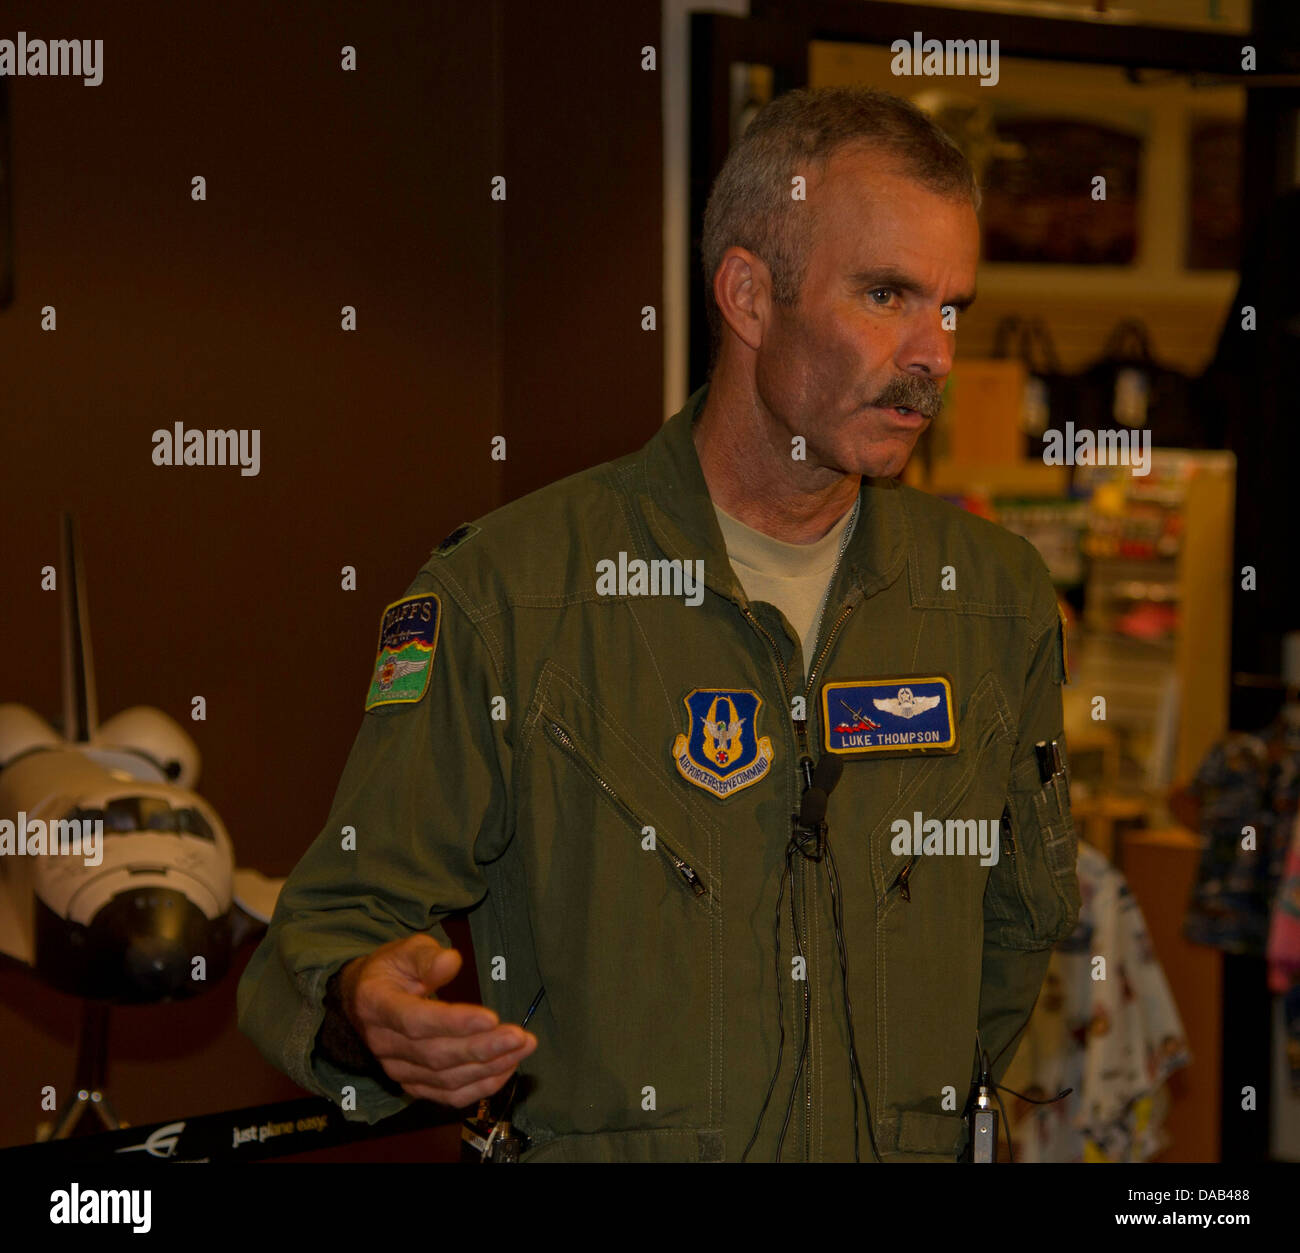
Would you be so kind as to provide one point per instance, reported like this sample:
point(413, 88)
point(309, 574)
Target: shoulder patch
point(408, 637)
point(465, 531)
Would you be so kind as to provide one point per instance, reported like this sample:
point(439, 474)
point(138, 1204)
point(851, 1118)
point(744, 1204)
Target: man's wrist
point(338, 1041)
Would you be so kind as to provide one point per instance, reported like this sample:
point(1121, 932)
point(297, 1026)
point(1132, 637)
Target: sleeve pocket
point(1032, 900)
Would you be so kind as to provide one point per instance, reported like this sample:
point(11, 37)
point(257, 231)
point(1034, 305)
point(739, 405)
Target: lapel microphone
point(810, 827)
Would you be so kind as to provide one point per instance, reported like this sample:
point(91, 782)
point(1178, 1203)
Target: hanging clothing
point(1247, 789)
point(1284, 953)
point(1106, 1026)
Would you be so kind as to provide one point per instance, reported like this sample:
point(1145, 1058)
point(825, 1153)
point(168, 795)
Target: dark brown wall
point(475, 318)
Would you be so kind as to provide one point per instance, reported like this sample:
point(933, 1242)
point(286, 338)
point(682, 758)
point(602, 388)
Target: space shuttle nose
point(157, 963)
point(148, 943)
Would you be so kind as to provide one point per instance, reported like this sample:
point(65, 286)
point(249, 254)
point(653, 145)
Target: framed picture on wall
point(1035, 209)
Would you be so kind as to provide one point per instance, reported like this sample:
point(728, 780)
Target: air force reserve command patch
point(910, 714)
point(723, 751)
point(408, 636)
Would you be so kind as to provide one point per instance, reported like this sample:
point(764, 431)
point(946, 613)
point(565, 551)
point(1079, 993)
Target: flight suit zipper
point(804, 775)
point(901, 882)
point(685, 872)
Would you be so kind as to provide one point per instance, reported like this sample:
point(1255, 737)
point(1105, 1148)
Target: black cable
point(985, 1068)
point(855, 1069)
point(791, 848)
point(1015, 1035)
point(1035, 1100)
point(537, 1000)
point(833, 882)
point(787, 873)
point(815, 838)
point(1006, 1124)
point(780, 1007)
point(514, 1078)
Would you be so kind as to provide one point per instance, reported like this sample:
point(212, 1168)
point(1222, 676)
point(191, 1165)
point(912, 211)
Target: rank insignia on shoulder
point(408, 636)
point(465, 531)
point(722, 752)
point(912, 713)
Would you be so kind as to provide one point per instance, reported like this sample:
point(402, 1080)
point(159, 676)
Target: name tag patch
point(408, 636)
point(906, 714)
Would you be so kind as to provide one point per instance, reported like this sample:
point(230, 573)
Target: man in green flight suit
point(719, 741)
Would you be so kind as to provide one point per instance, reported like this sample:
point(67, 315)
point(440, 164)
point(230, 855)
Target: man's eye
point(875, 291)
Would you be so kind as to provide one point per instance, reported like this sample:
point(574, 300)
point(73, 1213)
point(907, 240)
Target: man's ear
point(742, 286)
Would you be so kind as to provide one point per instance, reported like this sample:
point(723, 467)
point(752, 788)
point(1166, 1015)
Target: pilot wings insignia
point(394, 669)
point(905, 704)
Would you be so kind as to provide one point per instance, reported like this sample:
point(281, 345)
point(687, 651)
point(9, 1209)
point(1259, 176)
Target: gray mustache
point(928, 405)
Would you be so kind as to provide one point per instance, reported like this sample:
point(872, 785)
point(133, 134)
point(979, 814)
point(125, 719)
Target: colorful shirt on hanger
point(1247, 787)
point(1106, 1026)
point(1284, 953)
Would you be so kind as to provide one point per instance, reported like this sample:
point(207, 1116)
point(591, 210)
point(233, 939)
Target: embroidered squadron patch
point(723, 752)
point(909, 714)
point(408, 635)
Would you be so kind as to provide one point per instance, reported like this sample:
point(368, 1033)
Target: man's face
point(866, 335)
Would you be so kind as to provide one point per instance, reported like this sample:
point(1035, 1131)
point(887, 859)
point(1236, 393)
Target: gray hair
point(798, 133)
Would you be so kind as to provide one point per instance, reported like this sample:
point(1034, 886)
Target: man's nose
point(928, 349)
point(927, 353)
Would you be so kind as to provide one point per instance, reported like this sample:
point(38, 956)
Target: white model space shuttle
point(114, 874)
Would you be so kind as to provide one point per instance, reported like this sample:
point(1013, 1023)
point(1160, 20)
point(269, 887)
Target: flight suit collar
point(681, 517)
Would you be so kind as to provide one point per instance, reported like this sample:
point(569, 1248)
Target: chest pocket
point(625, 907)
point(969, 784)
point(610, 771)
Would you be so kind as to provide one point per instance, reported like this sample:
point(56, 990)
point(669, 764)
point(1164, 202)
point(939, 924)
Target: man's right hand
point(442, 1051)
